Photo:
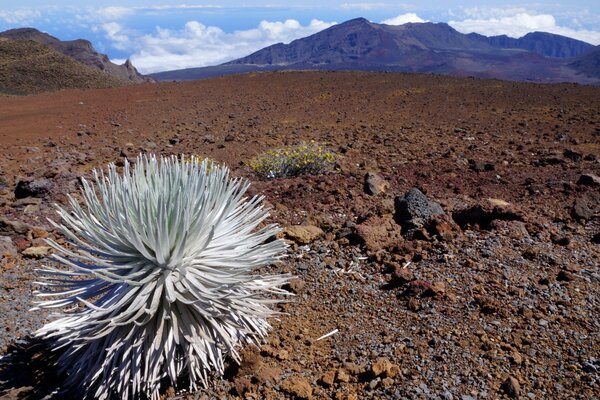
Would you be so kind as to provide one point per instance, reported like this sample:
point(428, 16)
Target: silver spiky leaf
point(159, 279)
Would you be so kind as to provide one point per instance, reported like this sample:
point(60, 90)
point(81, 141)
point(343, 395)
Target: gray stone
point(8, 226)
point(7, 247)
point(33, 188)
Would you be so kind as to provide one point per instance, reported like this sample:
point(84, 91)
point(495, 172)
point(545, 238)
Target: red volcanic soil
point(497, 297)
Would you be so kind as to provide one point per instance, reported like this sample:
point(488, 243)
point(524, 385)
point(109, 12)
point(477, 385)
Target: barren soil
point(497, 298)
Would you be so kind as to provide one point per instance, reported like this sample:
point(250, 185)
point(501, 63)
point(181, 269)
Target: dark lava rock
point(33, 188)
point(415, 208)
point(589, 180)
point(480, 166)
point(573, 155)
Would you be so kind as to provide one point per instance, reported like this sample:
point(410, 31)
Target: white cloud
point(403, 19)
point(363, 6)
point(197, 45)
point(517, 23)
point(113, 12)
point(20, 16)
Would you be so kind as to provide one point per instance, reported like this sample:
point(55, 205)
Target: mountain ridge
point(80, 50)
point(414, 47)
point(28, 67)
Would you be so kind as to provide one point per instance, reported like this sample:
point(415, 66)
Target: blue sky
point(164, 34)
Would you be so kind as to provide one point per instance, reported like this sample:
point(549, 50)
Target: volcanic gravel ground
point(496, 298)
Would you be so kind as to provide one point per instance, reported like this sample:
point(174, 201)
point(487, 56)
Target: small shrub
point(306, 158)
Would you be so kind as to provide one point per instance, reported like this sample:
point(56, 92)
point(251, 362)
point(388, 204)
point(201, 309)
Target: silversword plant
point(159, 279)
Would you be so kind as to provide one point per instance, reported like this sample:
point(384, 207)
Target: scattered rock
point(342, 376)
point(565, 276)
point(37, 252)
point(480, 166)
point(487, 305)
point(242, 385)
point(375, 184)
point(298, 387)
point(573, 155)
point(303, 234)
point(586, 206)
point(401, 276)
point(328, 379)
point(589, 180)
point(443, 227)
point(8, 226)
point(33, 188)
point(39, 233)
point(511, 387)
point(7, 247)
point(27, 201)
point(229, 138)
point(413, 304)
point(296, 285)
point(560, 240)
point(377, 233)
point(384, 368)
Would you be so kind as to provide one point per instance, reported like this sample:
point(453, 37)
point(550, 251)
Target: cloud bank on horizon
point(176, 36)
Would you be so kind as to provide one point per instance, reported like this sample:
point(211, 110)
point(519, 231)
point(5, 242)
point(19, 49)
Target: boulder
point(414, 212)
point(415, 207)
point(303, 234)
point(33, 188)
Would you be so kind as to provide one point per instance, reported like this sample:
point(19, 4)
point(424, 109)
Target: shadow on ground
point(27, 371)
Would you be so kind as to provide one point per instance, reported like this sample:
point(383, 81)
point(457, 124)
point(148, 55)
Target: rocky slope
point(589, 63)
point(28, 67)
point(485, 283)
point(80, 50)
point(542, 43)
point(413, 47)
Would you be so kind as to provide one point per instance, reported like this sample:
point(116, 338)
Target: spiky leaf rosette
point(160, 278)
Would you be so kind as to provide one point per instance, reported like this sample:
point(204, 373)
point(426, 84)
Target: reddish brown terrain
point(498, 297)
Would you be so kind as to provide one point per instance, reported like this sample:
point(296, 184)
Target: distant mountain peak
point(428, 47)
point(80, 50)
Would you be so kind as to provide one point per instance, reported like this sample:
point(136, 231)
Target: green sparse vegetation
point(305, 158)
